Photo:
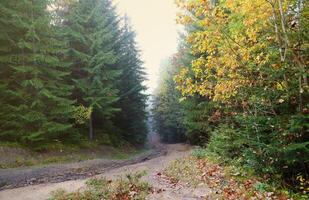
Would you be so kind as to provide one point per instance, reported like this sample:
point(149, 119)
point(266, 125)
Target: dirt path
point(152, 167)
point(56, 173)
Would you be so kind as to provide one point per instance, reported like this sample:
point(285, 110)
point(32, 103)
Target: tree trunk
point(90, 128)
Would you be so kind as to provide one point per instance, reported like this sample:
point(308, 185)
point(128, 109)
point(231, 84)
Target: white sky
point(154, 23)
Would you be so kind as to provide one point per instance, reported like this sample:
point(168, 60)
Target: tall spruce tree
point(34, 96)
point(92, 30)
point(132, 118)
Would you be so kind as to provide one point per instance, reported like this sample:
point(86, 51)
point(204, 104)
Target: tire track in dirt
point(151, 165)
point(14, 178)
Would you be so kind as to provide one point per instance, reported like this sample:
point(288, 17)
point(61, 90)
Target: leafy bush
point(200, 153)
point(272, 146)
point(199, 120)
point(226, 142)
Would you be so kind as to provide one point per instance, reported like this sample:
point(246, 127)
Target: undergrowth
point(13, 155)
point(226, 181)
point(129, 187)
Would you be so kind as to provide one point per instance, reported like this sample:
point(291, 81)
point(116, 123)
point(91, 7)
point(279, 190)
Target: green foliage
point(199, 119)
point(35, 101)
point(168, 112)
point(264, 145)
point(200, 153)
point(244, 83)
point(90, 35)
point(63, 70)
point(132, 102)
point(218, 142)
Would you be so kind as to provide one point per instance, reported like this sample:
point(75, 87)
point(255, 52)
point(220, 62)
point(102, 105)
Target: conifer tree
point(91, 33)
point(168, 111)
point(35, 96)
point(132, 118)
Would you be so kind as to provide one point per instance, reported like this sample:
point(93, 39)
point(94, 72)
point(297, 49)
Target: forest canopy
point(70, 70)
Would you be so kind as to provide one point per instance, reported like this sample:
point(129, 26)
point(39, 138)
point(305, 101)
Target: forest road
point(152, 165)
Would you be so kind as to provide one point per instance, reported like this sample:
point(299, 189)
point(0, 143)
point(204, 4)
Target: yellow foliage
point(303, 184)
point(82, 114)
point(229, 42)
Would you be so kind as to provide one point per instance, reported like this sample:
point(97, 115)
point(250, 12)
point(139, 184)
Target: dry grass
point(129, 187)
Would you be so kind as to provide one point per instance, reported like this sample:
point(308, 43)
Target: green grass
point(10, 144)
point(61, 154)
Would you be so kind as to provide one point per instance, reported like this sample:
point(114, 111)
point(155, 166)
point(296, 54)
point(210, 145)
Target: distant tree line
point(69, 70)
point(167, 111)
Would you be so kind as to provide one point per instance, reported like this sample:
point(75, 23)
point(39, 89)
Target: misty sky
point(154, 23)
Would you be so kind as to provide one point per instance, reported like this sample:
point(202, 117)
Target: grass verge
point(129, 187)
point(14, 156)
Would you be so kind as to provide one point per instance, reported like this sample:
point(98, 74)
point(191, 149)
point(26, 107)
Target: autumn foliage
point(244, 75)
